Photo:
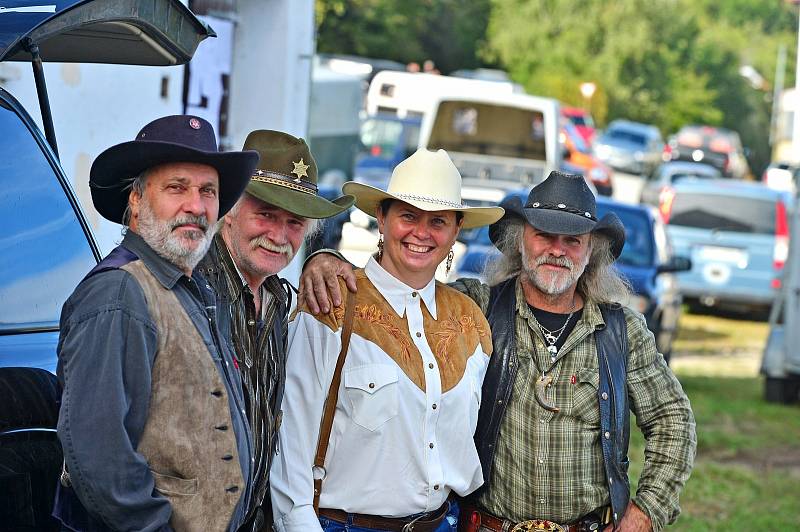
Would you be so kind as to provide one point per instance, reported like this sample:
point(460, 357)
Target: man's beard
point(552, 283)
point(160, 235)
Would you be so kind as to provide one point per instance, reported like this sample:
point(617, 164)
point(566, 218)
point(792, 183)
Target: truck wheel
point(781, 390)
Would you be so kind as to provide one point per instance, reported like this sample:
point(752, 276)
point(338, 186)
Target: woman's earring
point(449, 262)
point(380, 248)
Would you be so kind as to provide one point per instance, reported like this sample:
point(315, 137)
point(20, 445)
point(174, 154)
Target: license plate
point(722, 254)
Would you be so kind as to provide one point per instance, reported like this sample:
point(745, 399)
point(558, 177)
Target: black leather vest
point(612, 353)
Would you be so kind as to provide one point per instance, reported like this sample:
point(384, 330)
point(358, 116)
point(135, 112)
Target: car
point(582, 120)
point(647, 261)
point(737, 236)
point(666, 174)
point(719, 147)
point(630, 147)
point(578, 153)
point(47, 245)
point(385, 140)
point(781, 176)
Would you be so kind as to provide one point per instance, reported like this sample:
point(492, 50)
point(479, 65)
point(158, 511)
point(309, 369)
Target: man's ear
point(134, 202)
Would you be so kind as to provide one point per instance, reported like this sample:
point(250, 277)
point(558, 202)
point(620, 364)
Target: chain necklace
point(545, 381)
point(551, 337)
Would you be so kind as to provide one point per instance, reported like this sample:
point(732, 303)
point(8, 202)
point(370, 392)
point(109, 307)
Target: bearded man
point(152, 419)
point(569, 364)
point(257, 239)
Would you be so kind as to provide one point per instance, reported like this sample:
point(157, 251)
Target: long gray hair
point(600, 282)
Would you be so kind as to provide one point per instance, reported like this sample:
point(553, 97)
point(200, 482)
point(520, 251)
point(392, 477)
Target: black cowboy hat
point(171, 139)
point(562, 204)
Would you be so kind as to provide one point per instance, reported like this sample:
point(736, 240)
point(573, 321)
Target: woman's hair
point(386, 204)
point(600, 282)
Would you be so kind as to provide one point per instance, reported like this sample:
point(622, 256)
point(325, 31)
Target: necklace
point(551, 337)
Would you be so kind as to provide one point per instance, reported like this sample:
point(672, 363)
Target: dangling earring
point(380, 249)
point(449, 262)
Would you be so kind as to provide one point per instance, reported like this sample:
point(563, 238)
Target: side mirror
point(676, 264)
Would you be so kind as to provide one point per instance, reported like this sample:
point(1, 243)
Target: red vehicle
point(582, 121)
point(576, 152)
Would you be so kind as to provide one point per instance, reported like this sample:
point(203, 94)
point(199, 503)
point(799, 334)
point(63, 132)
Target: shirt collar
point(166, 272)
point(397, 293)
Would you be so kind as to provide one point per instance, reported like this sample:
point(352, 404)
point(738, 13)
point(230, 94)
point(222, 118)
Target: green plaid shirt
point(550, 465)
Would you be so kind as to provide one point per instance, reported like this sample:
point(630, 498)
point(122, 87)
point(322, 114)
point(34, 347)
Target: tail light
point(666, 154)
point(665, 199)
point(375, 150)
point(781, 251)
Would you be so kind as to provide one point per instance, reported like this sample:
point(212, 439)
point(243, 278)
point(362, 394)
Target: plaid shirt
point(550, 465)
point(262, 363)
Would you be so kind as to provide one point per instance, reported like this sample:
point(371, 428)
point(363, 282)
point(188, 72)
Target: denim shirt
point(105, 357)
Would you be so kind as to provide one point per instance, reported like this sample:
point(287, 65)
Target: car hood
point(131, 32)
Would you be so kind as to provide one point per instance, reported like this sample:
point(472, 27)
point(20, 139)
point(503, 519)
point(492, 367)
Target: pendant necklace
point(545, 381)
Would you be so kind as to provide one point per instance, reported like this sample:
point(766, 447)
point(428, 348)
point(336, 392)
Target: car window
point(723, 212)
point(638, 249)
point(412, 139)
point(44, 251)
point(381, 137)
point(627, 136)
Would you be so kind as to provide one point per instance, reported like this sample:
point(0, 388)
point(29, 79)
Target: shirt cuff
point(299, 519)
point(329, 251)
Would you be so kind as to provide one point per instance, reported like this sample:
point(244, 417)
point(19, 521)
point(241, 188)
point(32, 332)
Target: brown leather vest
point(192, 461)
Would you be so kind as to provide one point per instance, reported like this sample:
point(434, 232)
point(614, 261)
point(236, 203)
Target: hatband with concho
point(294, 183)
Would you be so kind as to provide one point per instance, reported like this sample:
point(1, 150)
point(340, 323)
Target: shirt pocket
point(585, 406)
point(372, 393)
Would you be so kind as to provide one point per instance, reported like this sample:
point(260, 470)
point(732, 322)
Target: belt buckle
point(538, 524)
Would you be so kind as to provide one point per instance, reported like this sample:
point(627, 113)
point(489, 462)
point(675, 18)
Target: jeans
point(448, 524)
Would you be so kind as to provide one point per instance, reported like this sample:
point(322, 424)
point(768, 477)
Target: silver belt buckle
point(538, 524)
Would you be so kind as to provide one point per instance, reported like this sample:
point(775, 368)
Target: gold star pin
point(300, 169)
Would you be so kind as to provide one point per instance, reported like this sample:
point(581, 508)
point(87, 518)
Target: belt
point(475, 520)
point(427, 522)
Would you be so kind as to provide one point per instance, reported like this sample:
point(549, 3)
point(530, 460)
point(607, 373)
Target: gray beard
point(552, 285)
point(159, 235)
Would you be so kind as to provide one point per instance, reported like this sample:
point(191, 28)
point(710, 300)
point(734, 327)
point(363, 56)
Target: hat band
point(274, 178)
point(561, 207)
point(428, 199)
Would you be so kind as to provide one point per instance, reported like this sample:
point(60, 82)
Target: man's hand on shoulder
point(319, 283)
point(634, 520)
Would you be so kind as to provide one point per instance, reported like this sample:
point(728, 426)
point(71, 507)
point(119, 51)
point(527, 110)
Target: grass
point(747, 470)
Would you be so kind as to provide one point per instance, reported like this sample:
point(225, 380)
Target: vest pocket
point(172, 486)
point(372, 393)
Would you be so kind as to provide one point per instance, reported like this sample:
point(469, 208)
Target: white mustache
point(564, 262)
point(264, 242)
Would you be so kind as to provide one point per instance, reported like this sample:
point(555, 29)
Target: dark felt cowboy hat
point(171, 139)
point(562, 204)
point(286, 176)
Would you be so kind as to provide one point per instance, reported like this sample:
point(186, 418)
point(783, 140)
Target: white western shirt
point(396, 448)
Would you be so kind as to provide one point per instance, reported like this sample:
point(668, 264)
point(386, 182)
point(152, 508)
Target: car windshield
point(576, 138)
point(488, 129)
point(723, 213)
point(626, 135)
point(638, 249)
point(581, 120)
point(380, 137)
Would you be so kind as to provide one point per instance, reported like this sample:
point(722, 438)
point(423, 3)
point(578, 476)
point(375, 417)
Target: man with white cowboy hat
point(383, 392)
point(152, 419)
point(258, 237)
point(569, 365)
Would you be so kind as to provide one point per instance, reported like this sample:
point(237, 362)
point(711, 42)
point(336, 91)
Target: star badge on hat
point(300, 169)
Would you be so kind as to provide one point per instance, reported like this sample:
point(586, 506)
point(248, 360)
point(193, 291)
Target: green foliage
point(447, 31)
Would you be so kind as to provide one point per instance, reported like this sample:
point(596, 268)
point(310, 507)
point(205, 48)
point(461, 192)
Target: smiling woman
point(418, 351)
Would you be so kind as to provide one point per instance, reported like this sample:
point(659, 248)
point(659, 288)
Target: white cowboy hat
point(428, 181)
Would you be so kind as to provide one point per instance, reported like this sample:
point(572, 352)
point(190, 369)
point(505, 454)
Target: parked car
point(662, 179)
point(578, 153)
point(385, 141)
point(737, 235)
point(47, 246)
point(583, 122)
point(719, 147)
point(647, 262)
point(630, 147)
